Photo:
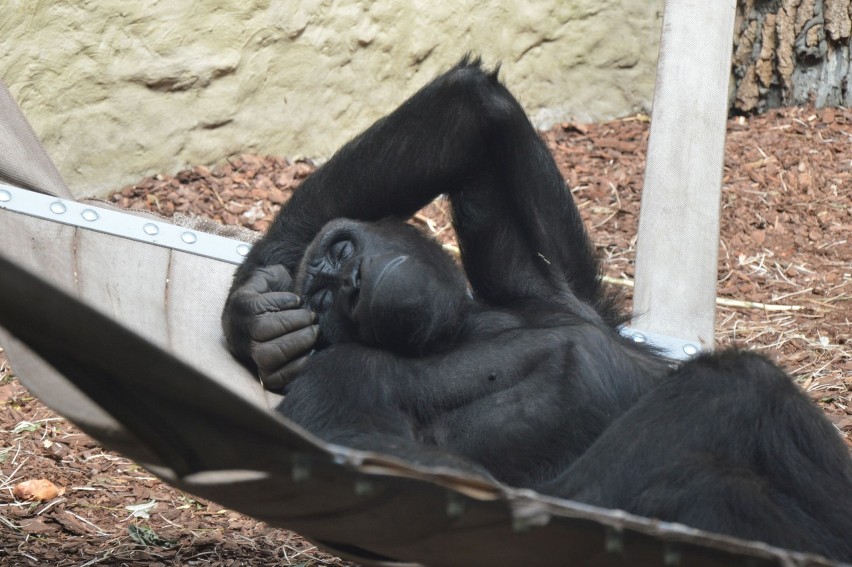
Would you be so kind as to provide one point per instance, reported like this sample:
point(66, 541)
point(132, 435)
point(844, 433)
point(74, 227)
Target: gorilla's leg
point(728, 444)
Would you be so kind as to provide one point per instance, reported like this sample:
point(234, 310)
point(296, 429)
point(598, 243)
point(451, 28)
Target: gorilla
point(512, 366)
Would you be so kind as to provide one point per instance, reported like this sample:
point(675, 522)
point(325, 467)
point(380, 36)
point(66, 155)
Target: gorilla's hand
point(266, 327)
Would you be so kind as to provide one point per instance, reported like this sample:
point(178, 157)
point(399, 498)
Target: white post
point(677, 248)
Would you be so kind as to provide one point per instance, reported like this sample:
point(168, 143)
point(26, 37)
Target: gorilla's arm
point(465, 135)
point(520, 233)
point(426, 147)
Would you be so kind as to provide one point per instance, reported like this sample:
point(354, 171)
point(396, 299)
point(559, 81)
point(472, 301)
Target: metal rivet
point(5, 196)
point(243, 249)
point(301, 470)
point(363, 487)
point(150, 229)
point(455, 506)
point(89, 215)
point(638, 338)
point(613, 540)
point(188, 237)
point(57, 207)
point(690, 350)
point(671, 555)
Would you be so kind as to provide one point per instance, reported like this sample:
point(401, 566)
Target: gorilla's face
point(382, 284)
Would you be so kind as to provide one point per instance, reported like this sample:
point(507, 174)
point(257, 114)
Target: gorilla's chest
point(513, 402)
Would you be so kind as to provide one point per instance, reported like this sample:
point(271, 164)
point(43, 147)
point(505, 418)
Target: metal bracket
point(670, 347)
point(124, 225)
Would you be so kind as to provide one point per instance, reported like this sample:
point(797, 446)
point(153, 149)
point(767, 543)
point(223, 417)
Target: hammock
point(121, 335)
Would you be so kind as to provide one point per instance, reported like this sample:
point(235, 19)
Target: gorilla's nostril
point(351, 286)
point(353, 299)
point(352, 279)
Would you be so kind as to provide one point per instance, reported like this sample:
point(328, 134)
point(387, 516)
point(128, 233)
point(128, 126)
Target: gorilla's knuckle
point(268, 360)
point(271, 326)
point(276, 277)
point(243, 302)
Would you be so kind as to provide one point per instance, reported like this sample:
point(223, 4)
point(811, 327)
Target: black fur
point(514, 368)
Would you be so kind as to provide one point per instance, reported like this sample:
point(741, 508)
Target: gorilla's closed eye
point(341, 251)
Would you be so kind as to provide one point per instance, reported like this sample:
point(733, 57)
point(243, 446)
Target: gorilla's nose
point(350, 284)
point(352, 275)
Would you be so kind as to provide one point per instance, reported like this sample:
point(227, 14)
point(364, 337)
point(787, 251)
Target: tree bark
point(791, 52)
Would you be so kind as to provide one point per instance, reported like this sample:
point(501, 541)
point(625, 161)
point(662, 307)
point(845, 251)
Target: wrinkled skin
point(513, 368)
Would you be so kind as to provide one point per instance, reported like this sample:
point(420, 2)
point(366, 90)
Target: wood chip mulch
point(785, 273)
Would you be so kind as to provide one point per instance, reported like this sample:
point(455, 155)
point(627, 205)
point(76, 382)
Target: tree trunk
point(790, 52)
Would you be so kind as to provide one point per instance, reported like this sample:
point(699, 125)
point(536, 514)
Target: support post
point(677, 248)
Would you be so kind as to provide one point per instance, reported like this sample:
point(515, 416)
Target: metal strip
point(167, 235)
point(670, 347)
point(122, 224)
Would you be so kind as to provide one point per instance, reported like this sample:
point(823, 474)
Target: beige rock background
point(117, 90)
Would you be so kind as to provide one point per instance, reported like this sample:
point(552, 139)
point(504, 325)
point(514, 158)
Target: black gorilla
point(513, 368)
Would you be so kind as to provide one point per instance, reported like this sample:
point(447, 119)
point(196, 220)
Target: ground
point(785, 273)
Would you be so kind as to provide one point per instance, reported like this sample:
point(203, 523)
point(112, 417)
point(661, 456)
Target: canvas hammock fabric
point(123, 338)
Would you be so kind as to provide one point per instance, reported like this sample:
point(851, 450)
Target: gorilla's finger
point(277, 381)
point(269, 326)
point(270, 302)
point(269, 278)
point(272, 355)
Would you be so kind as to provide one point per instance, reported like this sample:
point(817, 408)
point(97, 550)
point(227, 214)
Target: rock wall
point(118, 90)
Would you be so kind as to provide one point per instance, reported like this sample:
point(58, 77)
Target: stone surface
point(117, 89)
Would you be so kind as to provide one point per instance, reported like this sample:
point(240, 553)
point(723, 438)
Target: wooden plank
point(677, 248)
